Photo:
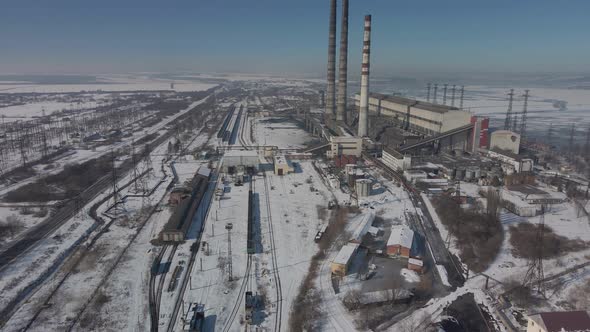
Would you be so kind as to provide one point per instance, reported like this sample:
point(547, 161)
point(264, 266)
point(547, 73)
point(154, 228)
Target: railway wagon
point(250, 304)
point(228, 117)
point(198, 320)
point(251, 246)
point(179, 223)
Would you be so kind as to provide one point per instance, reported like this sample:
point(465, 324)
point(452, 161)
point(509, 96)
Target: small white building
point(283, 166)
point(415, 175)
point(341, 263)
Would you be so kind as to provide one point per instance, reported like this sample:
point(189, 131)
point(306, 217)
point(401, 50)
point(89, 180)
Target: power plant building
point(419, 116)
point(505, 140)
point(345, 146)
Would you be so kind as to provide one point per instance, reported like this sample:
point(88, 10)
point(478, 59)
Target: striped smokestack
point(363, 130)
point(331, 90)
point(343, 65)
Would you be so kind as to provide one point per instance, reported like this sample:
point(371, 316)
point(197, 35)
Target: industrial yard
point(342, 201)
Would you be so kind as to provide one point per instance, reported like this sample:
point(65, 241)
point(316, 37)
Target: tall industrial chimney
point(364, 102)
point(331, 89)
point(343, 65)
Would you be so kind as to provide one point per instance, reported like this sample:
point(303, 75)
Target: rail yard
point(183, 201)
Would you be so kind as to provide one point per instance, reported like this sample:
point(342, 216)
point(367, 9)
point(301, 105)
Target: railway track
point(273, 250)
point(240, 298)
point(155, 295)
point(97, 187)
point(64, 213)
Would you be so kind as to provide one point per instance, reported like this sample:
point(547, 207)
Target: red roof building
point(563, 321)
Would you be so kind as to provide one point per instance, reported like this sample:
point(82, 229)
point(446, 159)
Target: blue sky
point(276, 36)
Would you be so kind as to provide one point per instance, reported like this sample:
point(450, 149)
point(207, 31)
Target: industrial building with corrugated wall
point(341, 263)
point(426, 118)
point(505, 140)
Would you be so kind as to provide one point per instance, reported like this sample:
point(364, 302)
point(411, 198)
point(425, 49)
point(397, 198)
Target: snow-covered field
point(22, 112)
point(284, 135)
point(132, 82)
point(543, 107)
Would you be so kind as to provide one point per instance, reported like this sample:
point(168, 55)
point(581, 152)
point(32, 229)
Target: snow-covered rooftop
point(363, 227)
point(401, 235)
point(346, 253)
point(204, 171)
point(241, 153)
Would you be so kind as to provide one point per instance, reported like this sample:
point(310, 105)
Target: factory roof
point(401, 235)
point(204, 171)
point(363, 227)
point(415, 103)
point(564, 320)
point(281, 160)
point(241, 153)
point(345, 253)
point(415, 261)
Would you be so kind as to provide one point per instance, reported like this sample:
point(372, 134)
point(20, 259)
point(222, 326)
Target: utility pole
point(453, 95)
point(435, 92)
point(428, 86)
point(572, 134)
point(535, 274)
point(462, 94)
point(523, 118)
point(229, 227)
point(445, 94)
point(507, 121)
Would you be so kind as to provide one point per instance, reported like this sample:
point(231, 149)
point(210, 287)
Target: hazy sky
point(277, 36)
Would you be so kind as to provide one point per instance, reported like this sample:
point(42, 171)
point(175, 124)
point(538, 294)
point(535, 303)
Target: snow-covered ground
point(111, 83)
point(35, 109)
point(279, 132)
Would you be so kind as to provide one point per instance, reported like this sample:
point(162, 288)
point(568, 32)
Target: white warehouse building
point(235, 159)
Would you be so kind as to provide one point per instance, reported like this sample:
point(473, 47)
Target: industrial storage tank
point(363, 187)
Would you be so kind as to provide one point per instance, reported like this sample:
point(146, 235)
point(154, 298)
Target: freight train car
point(223, 128)
point(251, 246)
point(179, 223)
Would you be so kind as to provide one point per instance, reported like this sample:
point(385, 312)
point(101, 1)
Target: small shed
point(416, 264)
point(400, 241)
point(341, 263)
point(283, 166)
